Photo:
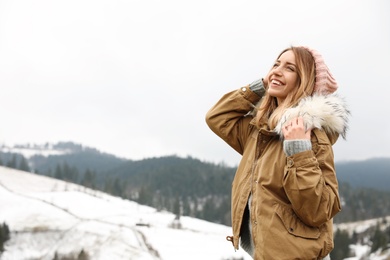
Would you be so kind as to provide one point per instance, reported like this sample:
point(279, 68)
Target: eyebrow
point(289, 63)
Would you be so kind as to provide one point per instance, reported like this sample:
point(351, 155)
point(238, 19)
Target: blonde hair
point(269, 107)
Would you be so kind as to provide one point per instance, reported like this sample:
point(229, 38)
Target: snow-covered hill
point(30, 150)
point(47, 217)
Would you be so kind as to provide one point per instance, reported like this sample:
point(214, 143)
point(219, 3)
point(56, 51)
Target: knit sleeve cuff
point(257, 87)
point(292, 147)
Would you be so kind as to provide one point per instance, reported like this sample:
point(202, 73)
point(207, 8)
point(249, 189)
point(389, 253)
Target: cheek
point(293, 80)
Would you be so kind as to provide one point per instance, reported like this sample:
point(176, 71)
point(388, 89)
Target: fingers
point(298, 121)
point(295, 129)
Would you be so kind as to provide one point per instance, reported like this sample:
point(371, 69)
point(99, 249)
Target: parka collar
point(325, 112)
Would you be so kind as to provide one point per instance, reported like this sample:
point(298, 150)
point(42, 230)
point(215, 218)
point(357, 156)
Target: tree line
point(4, 236)
point(171, 190)
point(184, 186)
point(15, 161)
point(377, 237)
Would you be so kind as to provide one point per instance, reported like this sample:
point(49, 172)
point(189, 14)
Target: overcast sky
point(135, 78)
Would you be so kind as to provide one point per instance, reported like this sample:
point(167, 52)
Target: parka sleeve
point(229, 119)
point(310, 183)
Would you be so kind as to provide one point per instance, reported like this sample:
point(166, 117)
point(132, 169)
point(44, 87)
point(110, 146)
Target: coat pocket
point(294, 225)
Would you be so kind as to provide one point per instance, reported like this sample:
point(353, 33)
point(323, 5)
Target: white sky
point(136, 78)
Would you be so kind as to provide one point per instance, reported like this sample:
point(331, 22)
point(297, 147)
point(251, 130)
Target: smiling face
point(283, 77)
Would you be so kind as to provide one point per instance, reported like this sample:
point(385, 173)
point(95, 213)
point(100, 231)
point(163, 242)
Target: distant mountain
point(46, 157)
point(373, 173)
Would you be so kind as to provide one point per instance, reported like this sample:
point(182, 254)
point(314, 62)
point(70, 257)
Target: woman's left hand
point(295, 130)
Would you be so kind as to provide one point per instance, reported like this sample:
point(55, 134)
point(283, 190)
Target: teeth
point(276, 82)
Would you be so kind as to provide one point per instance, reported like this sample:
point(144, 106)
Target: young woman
point(285, 191)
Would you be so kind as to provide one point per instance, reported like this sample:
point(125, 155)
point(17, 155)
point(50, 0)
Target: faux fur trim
point(326, 112)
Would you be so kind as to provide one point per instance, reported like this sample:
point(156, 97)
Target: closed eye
point(291, 68)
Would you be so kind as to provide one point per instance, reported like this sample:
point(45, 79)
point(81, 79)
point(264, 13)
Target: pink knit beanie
point(325, 83)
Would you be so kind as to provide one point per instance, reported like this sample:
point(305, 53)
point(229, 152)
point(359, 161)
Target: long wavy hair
point(269, 108)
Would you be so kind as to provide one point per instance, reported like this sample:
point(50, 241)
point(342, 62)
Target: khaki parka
point(293, 199)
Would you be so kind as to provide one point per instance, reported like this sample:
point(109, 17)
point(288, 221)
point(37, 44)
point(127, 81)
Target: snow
point(46, 216)
point(28, 152)
point(359, 226)
point(363, 251)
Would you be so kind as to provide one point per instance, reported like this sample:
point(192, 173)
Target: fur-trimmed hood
point(325, 112)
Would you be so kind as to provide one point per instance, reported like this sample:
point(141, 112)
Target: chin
point(273, 93)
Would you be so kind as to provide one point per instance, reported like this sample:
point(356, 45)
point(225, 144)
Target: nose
point(276, 70)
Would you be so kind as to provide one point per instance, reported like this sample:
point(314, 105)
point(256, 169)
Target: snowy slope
point(48, 216)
